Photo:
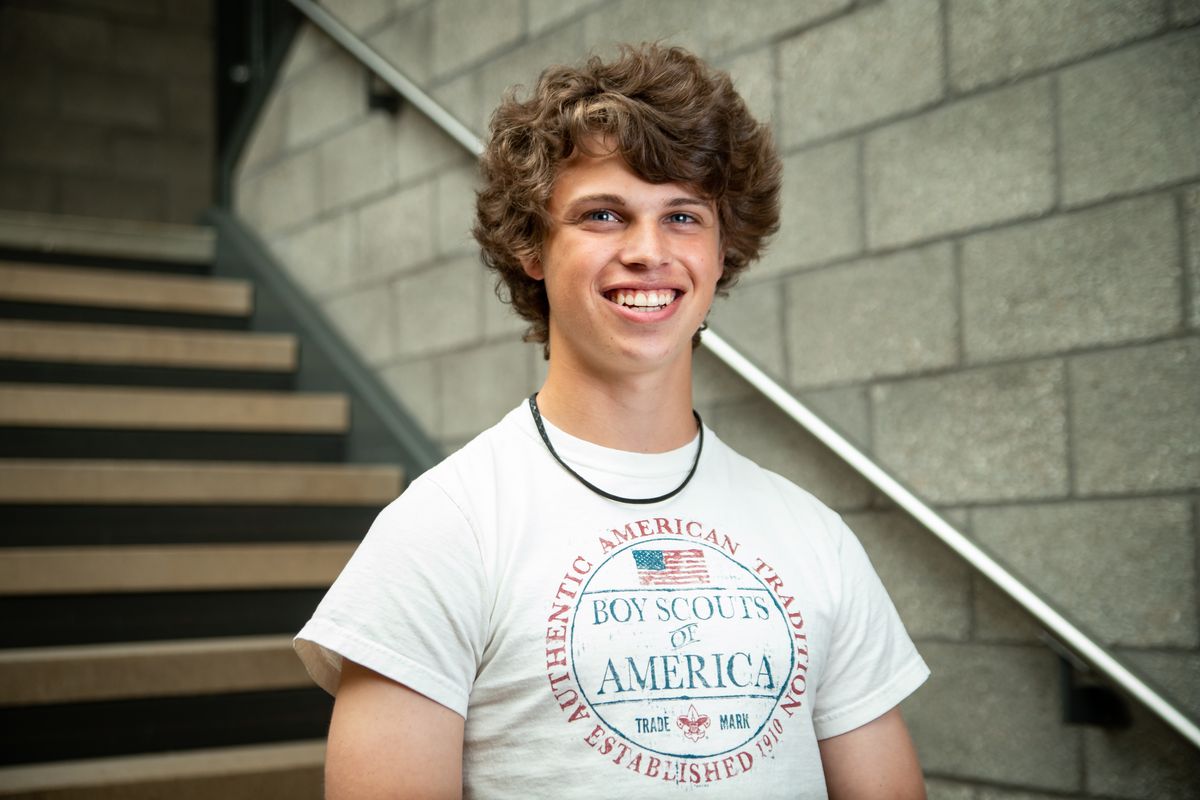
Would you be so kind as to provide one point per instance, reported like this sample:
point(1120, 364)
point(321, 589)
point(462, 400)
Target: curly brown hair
point(672, 118)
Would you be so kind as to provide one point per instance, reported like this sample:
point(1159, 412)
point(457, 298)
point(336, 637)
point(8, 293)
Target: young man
point(597, 597)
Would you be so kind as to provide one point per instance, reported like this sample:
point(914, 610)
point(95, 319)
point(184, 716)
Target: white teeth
point(647, 300)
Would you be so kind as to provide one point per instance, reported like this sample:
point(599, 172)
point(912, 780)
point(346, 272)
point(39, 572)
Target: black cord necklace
point(537, 420)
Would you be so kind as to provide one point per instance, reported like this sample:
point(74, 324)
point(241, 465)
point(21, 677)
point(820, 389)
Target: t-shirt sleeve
point(409, 603)
point(873, 664)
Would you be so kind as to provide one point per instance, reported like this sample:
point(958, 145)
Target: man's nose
point(645, 246)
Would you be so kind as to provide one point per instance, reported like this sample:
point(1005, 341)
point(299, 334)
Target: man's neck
point(649, 413)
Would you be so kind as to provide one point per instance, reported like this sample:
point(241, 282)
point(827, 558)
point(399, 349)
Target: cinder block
point(751, 319)
point(130, 100)
point(1104, 276)
point(26, 190)
point(1136, 418)
point(322, 256)
point(753, 76)
point(1177, 674)
point(929, 585)
point(821, 217)
point(190, 13)
point(395, 233)
point(938, 789)
point(1147, 761)
point(415, 385)
point(996, 40)
point(880, 61)
point(323, 100)
point(998, 618)
point(732, 24)
point(190, 107)
point(27, 85)
point(155, 50)
point(266, 140)
point(714, 383)
point(40, 33)
point(481, 385)
point(971, 163)
point(635, 21)
point(545, 14)
point(309, 46)
point(1144, 546)
point(406, 43)
point(846, 408)
point(461, 98)
point(986, 434)
point(993, 713)
point(464, 31)
point(881, 316)
point(188, 196)
point(1129, 120)
point(522, 65)
point(1185, 12)
point(500, 321)
point(282, 196)
point(420, 148)
point(364, 317)
point(456, 210)
point(160, 156)
point(358, 162)
point(44, 142)
point(359, 15)
point(991, 793)
point(759, 431)
point(437, 309)
point(121, 198)
point(1191, 221)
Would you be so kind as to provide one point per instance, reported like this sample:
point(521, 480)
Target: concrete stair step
point(169, 568)
point(136, 239)
point(117, 345)
point(118, 289)
point(290, 770)
point(59, 406)
point(98, 482)
point(88, 673)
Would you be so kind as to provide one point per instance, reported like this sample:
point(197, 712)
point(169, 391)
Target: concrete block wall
point(106, 107)
point(987, 277)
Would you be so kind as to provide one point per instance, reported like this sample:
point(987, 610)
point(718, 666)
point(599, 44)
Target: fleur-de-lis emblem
point(693, 724)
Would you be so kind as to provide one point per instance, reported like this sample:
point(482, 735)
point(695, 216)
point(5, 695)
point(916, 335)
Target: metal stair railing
point(1062, 634)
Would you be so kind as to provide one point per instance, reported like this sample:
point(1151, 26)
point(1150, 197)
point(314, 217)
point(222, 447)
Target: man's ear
point(533, 267)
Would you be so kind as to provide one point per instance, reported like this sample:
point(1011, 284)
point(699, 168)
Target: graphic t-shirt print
point(676, 654)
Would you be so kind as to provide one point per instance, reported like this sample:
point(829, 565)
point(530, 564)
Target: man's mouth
point(644, 300)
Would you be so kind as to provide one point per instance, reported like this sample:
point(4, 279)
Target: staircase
point(172, 512)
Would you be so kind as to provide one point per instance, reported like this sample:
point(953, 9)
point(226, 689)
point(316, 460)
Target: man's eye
point(681, 217)
point(600, 215)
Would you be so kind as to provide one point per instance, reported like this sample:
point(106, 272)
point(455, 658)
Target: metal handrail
point(1055, 624)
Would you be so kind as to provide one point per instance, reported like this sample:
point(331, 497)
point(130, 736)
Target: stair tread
point(146, 346)
point(160, 241)
point(125, 670)
point(163, 767)
point(142, 568)
point(181, 482)
point(111, 288)
point(136, 408)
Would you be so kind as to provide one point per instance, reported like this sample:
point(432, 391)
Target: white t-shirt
point(703, 643)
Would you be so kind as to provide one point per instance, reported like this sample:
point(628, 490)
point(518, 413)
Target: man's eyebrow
point(687, 201)
point(608, 199)
point(617, 200)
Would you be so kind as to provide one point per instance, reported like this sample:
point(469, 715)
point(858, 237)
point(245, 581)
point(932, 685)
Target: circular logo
point(679, 648)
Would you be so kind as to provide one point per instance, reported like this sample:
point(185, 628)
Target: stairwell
point(173, 510)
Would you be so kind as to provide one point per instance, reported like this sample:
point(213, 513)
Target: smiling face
point(630, 269)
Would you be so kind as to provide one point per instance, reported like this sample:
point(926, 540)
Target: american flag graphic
point(670, 567)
